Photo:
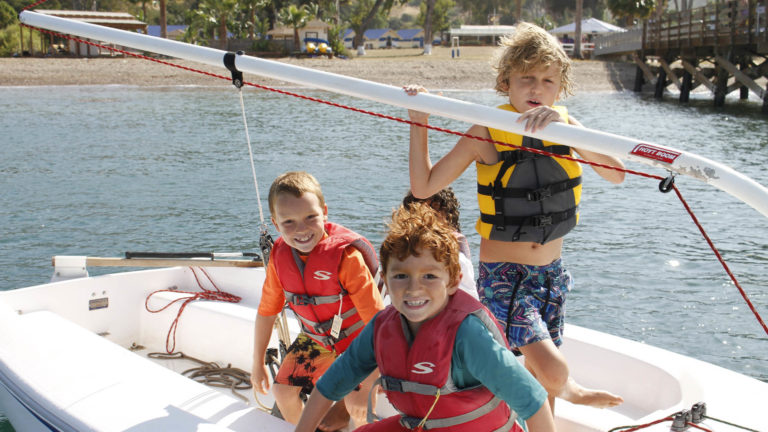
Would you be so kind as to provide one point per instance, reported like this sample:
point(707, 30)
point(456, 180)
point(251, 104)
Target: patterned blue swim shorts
point(537, 311)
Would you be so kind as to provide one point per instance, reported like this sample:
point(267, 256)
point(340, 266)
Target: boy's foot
point(575, 393)
point(336, 419)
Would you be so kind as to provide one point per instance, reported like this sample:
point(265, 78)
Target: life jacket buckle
point(497, 190)
point(302, 300)
point(410, 422)
point(539, 194)
point(542, 220)
point(391, 384)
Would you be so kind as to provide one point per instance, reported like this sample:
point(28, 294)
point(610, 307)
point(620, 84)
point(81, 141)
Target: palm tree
point(296, 17)
point(253, 24)
point(577, 43)
point(218, 12)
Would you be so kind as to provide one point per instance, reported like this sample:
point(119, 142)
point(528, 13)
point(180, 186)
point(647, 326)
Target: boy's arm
point(314, 410)
point(270, 305)
point(426, 179)
point(262, 333)
point(612, 176)
point(539, 117)
point(358, 281)
point(542, 421)
point(493, 365)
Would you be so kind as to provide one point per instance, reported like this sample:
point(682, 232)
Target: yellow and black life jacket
point(526, 196)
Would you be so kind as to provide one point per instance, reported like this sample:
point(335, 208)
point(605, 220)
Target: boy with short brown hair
point(324, 272)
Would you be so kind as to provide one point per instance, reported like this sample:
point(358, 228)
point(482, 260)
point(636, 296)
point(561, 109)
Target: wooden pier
point(722, 46)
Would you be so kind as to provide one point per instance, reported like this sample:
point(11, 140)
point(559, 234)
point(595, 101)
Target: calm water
point(103, 170)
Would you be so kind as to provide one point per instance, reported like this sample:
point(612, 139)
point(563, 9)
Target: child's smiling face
point(536, 87)
point(420, 287)
point(300, 220)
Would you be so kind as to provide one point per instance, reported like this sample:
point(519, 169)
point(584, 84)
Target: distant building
point(373, 38)
point(488, 34)
point(410, 38)
point(314, 30)
point(175, 32)
point(118, 20)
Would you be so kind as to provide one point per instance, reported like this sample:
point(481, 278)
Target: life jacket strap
point(414, 422)
point(501, 222)
point(325, 326)
point(404, 386)
point(517, 156)
point(496, 191)
point(305, 300)
point(330, 340)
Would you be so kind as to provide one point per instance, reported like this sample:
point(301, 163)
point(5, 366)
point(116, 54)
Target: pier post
point(743, 90)
point(685, 89)
point(661, 84)
point(639, 80)
point(721, 85)
point(765, 100)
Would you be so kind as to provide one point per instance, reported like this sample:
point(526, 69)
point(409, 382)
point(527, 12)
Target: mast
point(668, 158)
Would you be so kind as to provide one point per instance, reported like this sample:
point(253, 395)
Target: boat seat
point(215, 331)
point(78, 380)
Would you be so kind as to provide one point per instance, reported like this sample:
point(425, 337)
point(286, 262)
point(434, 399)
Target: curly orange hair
point(417, 229)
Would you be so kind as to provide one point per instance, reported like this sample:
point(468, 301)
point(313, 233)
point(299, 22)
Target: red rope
point(205, 294)
point(447, 131)
point(643, 426)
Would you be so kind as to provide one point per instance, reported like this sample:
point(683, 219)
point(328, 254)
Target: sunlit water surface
point(103, 170)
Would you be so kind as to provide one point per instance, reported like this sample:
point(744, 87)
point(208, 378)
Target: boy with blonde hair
point(528, 202)
point(324, 272)
point(444, 363)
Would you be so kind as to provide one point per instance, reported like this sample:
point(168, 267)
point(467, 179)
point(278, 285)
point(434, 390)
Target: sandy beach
point(472, 70)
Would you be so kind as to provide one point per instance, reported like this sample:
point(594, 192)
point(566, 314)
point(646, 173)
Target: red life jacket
point(315, 299)
point(412, 384)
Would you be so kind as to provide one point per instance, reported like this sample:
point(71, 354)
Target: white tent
point(589, 25)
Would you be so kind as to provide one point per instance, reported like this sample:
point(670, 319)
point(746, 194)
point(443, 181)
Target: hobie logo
point(322, 275)
point(423, 368)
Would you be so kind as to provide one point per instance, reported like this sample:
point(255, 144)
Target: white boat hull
point(65, 367)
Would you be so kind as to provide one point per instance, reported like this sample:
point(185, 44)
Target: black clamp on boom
point(229, 62)
point(667, 184)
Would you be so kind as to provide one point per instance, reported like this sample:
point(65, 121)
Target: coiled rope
point(452, 132)
point(190, 296)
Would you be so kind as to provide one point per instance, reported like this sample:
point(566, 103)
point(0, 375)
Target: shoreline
point(471, 71)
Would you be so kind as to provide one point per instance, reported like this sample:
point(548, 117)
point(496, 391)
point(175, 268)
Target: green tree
point(8, 16)
point(365, 14)
point(210, 15)
point(440, 18)
point(252, 24)
point(296, 17)
point(630, 9)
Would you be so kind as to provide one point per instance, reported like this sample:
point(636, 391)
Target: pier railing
point(719, 24)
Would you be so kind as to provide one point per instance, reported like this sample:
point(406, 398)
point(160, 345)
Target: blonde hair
point(296, 183)
point(417, 229)
point(530, 47)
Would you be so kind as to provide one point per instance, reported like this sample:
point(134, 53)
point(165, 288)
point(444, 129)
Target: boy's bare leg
point(336, 419)
point(288, 401)
point(548, 365)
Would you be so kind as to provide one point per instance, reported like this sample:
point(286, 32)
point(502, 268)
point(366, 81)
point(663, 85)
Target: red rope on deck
point(447, 131)
point(205, 294)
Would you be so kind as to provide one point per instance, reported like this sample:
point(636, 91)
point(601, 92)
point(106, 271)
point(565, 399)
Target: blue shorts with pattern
point(537, 311)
